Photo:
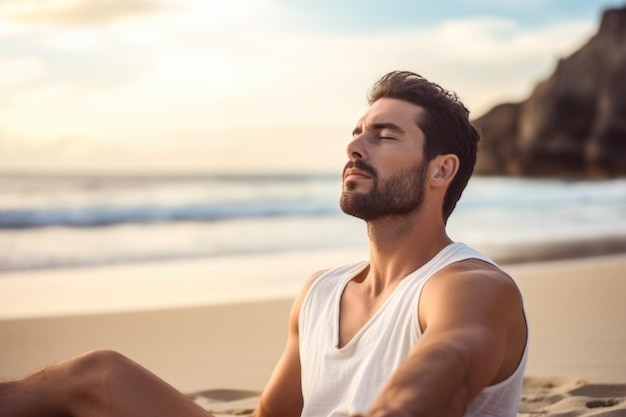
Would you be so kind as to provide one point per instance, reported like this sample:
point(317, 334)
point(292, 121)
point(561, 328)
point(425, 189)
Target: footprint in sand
point(227, 402)
point(563, 397)
point(541, 397)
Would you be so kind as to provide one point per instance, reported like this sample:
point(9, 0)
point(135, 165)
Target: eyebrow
point(380, 126)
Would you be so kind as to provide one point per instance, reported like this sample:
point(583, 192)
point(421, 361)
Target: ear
point(444, 169)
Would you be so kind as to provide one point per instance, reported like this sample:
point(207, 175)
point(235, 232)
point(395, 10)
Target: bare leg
point(98, 384)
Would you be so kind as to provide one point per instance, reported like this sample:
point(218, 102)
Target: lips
point(355, 174)
point(358, 170)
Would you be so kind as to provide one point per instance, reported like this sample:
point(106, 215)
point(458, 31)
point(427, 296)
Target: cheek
point(400, 161)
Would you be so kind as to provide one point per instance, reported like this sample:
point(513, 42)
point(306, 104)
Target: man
point(426, 327)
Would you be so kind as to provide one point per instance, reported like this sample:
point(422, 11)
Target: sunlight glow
point(137, 74)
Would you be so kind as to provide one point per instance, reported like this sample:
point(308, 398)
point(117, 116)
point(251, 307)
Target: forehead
point(391, 110)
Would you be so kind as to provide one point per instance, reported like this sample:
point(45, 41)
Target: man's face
point(386, 173)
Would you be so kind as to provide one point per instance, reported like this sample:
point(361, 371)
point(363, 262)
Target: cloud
point(78, 12)
point(302, 78)
point(269, 79)
point(476, 57)
point(197, 75)
point(16, 72)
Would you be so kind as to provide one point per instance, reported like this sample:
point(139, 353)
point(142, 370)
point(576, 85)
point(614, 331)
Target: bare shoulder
point(309, 283)
point(475, 274)
point(313, 278)
point(295, 310)
point(473, 288)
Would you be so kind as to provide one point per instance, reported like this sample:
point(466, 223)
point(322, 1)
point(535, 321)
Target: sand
point(210, 335)
point(541, 396)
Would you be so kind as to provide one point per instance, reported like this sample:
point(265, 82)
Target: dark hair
point(444, 121)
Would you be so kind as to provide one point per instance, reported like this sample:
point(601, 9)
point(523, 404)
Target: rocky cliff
point(574, 123)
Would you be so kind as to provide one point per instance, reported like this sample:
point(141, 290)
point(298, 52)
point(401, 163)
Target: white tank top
point(345, 381)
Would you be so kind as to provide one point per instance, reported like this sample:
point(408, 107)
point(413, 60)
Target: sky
point(192, 86)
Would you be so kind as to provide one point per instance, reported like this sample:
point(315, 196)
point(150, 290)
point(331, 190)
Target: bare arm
point(282, 396)
point(474, 335)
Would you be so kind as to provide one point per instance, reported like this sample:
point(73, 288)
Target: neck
point(399, 246)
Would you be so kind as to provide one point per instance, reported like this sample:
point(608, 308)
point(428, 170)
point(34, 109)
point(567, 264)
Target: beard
point(398, 196)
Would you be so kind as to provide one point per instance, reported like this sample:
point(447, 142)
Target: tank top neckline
point(357, 269)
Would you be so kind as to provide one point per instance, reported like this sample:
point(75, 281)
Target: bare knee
point(91, 374)
point(96, 362)
point(63, 389)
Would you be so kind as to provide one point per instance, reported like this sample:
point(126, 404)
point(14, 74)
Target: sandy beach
point(204, 334)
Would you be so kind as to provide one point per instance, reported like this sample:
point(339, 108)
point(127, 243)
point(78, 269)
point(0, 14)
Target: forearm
point(431, 382)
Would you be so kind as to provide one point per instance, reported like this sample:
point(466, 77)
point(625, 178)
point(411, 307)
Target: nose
point(356, 148)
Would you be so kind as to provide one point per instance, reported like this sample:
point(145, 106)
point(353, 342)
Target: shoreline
point(524, 252)
point(505, 252)
point(162, 284)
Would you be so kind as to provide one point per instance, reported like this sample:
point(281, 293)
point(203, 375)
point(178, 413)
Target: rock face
point(574, 123)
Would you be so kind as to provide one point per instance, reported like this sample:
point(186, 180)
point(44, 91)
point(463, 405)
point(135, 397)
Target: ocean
point(71, 221)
